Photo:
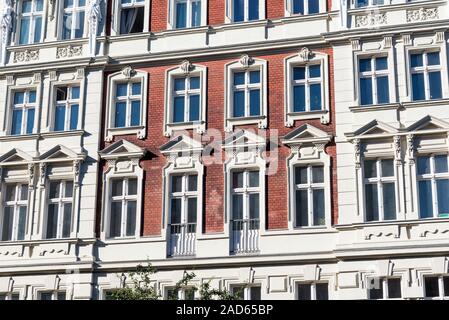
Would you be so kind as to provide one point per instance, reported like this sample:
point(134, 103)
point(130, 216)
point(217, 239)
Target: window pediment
point(428, 123)
point(373, 128)
point(14, 157)
point(122, 149)
point(306, 134)
point(61, 153)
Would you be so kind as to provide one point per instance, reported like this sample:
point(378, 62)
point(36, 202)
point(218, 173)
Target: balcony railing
point(182, 239)
point(245, 236)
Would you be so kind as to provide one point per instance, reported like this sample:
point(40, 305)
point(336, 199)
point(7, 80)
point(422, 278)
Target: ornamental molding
point(128, 72)
point(69, 51)
point(26, 55)
point(371, 19)
point(422, 14)
point(245, 60)
point(305, 54)
point(186, 67)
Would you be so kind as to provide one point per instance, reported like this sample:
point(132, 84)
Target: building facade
point(206, 135)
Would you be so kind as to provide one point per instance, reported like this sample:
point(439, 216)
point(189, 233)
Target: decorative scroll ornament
point(26, 55)
point(76, 172)
point(69, 51)
point(128, 72)
point(246, 61)
point(422, 14)
point(305, 54)
point(397, 149)
point(31, 175)
point(357, 152)
point(94, 18)
point(371, 19)
point(42, 173)
point(411, 148)
point(186, 66)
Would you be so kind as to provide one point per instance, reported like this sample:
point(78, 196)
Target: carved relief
point(69, 51)
point(26, 55)
point(422, 14)
point(371, 19)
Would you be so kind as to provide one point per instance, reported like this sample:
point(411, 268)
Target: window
point(14, 215)
point(426, 76)
point(30, 21)
point(373, 74)
point(128, 96)
point(246, 10)
point(436, 286)
point(304, 6)
point(247, 293)
point(433, 186)
point(23, 112)
point(9, 296)
point(187, 13)
point(122, 222)
point(312, 291)
point(59, 212)
point(307, 88)
point(380, 190)
point(389, 288)
point(181, 294)
point(246, 93)
point(67, 107)
point(366, 3)
point(132, 15)
point(309, 193)
point(73, 19)
point(186, 99)
point(52, 295)
point(183, 204)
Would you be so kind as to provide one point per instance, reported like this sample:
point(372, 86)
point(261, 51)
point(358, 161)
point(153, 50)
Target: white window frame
point(246, 290)
point(54, 294)
point(181, 292)
point(116, 14)
point(8, 295)
point(73, 11)
point(383, 281)
point(24, 107)
point(171, 21)
point(425, 70)
point(16, 204)
point(370, 4)
point(186, 69)
point(60, 201)
point(245, 64)
point(126, 75)
point(440, 277)
point(289, 8)
point(32, 14)
point(229, 12)
point(68, 105)
point(305, 57)
point(373, 74)
point(379, 180)
point(312, 288)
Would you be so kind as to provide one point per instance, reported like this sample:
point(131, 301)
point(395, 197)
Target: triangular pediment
point(61, 153)
point(243, 138)
point(15, 156)
point(429, 123)
point(375, 127)
point(121, 149)
point(306, 133)
point(181, 143)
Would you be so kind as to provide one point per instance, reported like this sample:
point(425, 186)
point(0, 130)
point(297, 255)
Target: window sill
point(375, 107)
point(261, 122)
point(139, 131)
point(425, 103)
point(391, 223)
point(36, 136)
point(199, 126)
point(323, 115)
point(299, 231)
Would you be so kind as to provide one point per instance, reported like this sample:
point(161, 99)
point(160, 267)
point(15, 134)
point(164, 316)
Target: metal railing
point(245, 235)
point(182, 239)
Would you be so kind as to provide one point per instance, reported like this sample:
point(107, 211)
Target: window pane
point(371, 202)
point(366, 91)
point(79, 28)
point(431, 287)
point(192, 182)
point(253, 178)
point(322, 291)
point(441, 164)
point(178, 112)
point(181, 12)
point(254, 102)
point(239, 104)
point(32, 96)
point(176, 184)
point(61, 93)
point(19, 97)
point(237, 180)
point(74, 117)
point(54, 190)
point(59, 118)
point(302, 208)
point(383, 95)
point(194, 114)
point(66, 26)
point(299, 98)
point(7, 223)
point(60, 296)
point(435, 85)
point(318, 174)
point(68, 3)
point(136, 88)
point(315, 71)
point(24, 30)
point(239, 78)
point(375, 289)
point(175, 210)
point(433, 58)
point(132, 187)
point(446, 286)
point(27, 6)
point(30, 121)
point(16, 122)
point(52, 220)
point(300, 175)
point(116, 220)
point(194, 82)
point(387, 168)
point(135, 113)
point(416, 60)
point(318, 207)
point(253, 13)
point(315, 96)
point(254, 206)
point(46, 296)
point(239, 10)
point(10, 192)
point(66, 223)
point(304, 292)
point(425, 199)
point(117, 187)
point(237, 206)
point(389, 199)
point(255, 293)
point(423, 165)
point(120, 114)
point(131, 218)
point(68, 192)
point(299, 73)
point(418, 86)
point(370, 168)
point(394, 288)
point(443, 199)
point(254, 77)
point(196, 13)
point(37, 29)
point(24, 192)
point(364, 65)
point(121, 90)
point(191, 210)
point(22, 223)
point(381, 63)
point(298, 6)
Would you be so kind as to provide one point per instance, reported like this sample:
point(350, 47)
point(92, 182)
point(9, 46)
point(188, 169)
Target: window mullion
point(434, 187)
point(310, 195)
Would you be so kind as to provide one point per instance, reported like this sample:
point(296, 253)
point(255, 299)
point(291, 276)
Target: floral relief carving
point(69, 51)
point(26, 55)
point(371, 19)
point(422, 14)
